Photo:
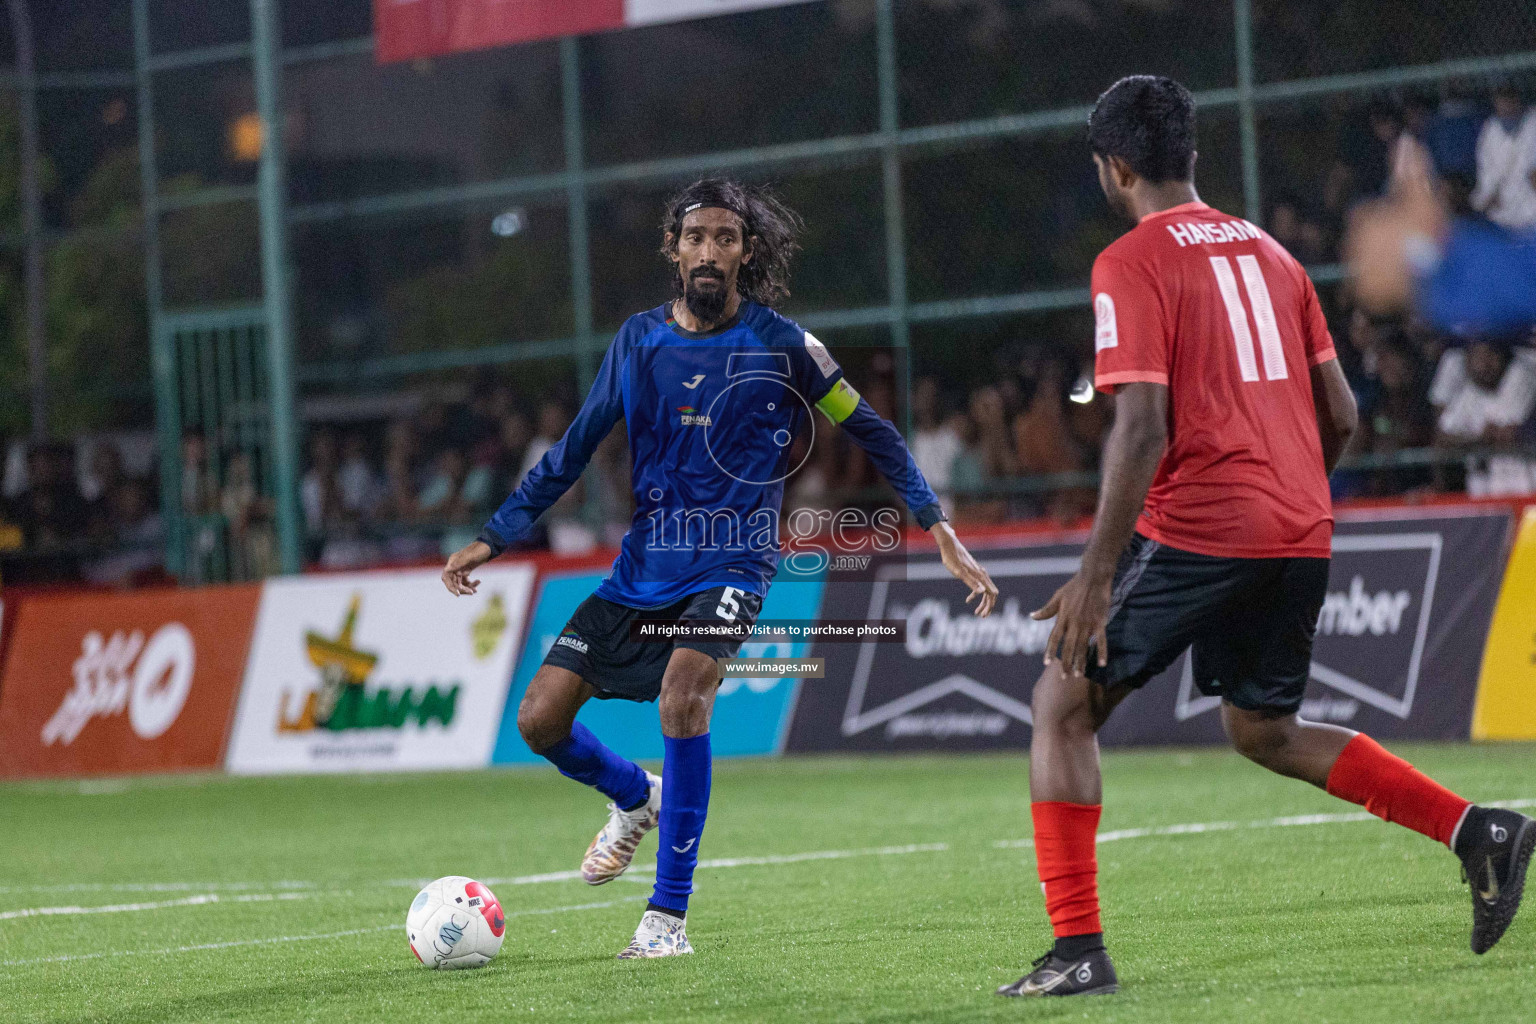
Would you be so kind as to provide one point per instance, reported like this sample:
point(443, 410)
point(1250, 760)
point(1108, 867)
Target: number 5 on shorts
point(729, 606)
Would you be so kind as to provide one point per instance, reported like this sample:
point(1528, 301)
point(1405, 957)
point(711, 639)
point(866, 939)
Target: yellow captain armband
point(839, 403)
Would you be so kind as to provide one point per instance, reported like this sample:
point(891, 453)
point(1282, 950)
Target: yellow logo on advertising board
point(485, 632)
point(1506, 688)
point(343, 701)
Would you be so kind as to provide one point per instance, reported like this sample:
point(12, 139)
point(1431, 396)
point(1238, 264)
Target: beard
point(708, 302)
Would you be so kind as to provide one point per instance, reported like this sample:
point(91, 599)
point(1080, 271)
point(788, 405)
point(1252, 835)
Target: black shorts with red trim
point(597, 643)
point(1249, 621)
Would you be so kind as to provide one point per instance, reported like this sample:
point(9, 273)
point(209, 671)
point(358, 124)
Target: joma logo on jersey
point(691, 417)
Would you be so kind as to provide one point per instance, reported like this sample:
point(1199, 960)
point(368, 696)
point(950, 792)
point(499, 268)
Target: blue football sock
point(582, 756)
point(684, 803)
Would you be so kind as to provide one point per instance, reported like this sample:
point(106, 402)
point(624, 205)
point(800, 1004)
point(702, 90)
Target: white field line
point(637, 873)
point(314, 937)
point(156, 886)
point(1194, 827)
point(1187, 828)
point(795, 858)
point(299, 889)
point(124, 908)
point(169, 950)
point(718, 862)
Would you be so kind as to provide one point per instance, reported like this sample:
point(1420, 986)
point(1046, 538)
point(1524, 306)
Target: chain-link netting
point(433, 230)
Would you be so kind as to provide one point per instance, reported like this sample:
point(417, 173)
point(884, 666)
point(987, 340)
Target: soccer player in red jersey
point(1213, 531)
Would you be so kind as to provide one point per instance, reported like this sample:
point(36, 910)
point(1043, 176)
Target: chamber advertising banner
point(378, 672)
point(751, 715)
point(114, 683)
point(1398, 645)
point(406, 29)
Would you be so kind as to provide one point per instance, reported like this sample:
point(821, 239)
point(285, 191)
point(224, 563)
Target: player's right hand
point(1081, 610)
point(463, 562)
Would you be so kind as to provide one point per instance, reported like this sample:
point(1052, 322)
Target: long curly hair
point(768, 225)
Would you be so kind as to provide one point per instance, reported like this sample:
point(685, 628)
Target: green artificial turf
point(1331, 922)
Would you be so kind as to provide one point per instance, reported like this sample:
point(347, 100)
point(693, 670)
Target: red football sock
point(1394, 790)
point(1069, 871)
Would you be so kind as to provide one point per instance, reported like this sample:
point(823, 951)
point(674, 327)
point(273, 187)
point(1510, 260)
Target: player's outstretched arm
point(554, 474)
point(1081, 606)
point(884, 445)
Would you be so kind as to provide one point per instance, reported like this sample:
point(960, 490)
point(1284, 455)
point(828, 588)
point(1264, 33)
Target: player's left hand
point(966, 569)
point(1081, 608)
point(463, 562)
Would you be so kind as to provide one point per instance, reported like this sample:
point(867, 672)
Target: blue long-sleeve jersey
point(711, 420)
point(1484, 280)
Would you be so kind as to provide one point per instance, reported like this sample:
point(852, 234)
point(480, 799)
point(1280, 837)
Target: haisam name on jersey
point(1192, 232)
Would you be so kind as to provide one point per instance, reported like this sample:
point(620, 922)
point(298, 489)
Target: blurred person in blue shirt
point(1460, 273)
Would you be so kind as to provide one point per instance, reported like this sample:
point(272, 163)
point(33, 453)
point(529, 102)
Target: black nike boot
point(1495, 848)
point(1091, 974)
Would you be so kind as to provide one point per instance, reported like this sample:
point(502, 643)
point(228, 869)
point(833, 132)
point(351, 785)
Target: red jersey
point(1215, 309)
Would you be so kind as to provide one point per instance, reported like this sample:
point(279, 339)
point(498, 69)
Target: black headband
point(716, 204)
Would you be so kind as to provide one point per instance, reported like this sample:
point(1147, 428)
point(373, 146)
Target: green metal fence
point(222, 404)
point(260, 337)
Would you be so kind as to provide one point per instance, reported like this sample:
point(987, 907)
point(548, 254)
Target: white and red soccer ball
point(455, 922)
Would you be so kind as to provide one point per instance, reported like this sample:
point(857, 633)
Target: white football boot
point(658, 935)
point(610, 853)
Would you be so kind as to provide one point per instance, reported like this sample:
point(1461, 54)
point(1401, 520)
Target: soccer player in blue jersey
point(713, 387)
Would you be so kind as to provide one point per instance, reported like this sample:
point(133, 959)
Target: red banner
point(405, 29)
point(114, 683)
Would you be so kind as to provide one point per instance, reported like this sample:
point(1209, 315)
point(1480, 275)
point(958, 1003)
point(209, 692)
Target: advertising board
point(111, 683)
point(1398, 644)
point(1506, 688)
point(378, 671)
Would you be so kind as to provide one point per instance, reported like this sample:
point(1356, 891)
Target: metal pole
point(576, 216)
point(895, 217)
point(162, 355)
point(1242, 20)
point(31, 217)
point(272, 200)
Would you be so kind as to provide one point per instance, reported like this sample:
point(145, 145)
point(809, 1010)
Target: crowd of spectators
point(1481, 143)
point(1461, 392)
point(57, 511)
point(1024, 444)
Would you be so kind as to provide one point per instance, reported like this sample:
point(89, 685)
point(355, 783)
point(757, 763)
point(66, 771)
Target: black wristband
point(490, 540)
point(930, 514)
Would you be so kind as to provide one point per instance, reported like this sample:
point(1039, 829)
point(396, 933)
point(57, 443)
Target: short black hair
point(1149, 122)
point(770, 226)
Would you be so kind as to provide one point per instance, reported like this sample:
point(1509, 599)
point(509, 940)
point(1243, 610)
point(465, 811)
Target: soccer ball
point(455, 922)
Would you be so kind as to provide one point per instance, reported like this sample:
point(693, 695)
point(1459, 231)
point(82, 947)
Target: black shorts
point(1250, 621)
point(597, 646)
